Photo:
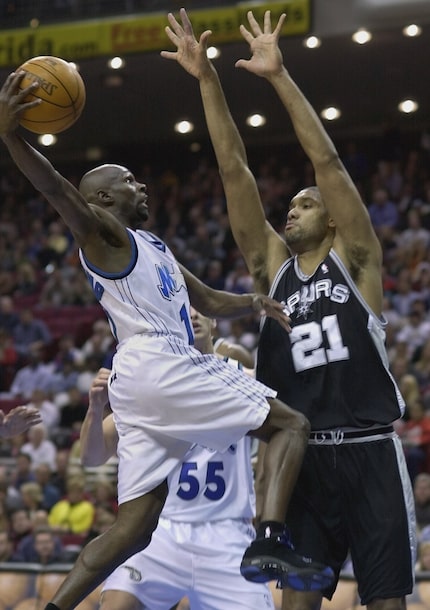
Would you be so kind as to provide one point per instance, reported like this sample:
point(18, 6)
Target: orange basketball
point(61, 89)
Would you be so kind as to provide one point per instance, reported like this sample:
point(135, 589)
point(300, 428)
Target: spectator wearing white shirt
point(40, 448)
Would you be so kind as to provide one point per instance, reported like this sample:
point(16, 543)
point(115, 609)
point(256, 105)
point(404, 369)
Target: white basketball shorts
point(200, 561)
point(165, 397)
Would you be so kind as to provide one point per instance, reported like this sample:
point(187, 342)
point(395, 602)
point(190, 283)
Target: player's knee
point(301, 424)
point(284, 417)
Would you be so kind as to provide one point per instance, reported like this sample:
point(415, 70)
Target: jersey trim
point(121, 274)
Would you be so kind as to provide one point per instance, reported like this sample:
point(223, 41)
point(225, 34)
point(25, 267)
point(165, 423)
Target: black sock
point(266, 529)
point(51, 606)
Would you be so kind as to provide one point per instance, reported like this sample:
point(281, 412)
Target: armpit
point(259, 274)
point(358, 259)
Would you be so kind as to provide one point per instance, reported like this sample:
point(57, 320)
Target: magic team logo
point(171, 280)
point(133, 574)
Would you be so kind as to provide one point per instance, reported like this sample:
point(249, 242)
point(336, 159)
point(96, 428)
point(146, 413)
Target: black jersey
point(333, 366)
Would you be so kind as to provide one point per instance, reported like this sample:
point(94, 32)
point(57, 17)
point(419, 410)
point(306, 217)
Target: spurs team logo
point(171, 280)
point(301, 300)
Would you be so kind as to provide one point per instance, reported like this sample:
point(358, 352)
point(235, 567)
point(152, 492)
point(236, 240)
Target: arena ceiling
point(366, 82)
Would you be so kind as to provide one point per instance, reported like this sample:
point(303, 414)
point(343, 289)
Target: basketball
point(61, 89)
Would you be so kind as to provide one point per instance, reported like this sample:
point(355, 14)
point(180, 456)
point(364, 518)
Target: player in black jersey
point(353, 494)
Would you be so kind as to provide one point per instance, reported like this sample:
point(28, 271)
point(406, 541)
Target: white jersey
point(209, 486)
point(149, 296)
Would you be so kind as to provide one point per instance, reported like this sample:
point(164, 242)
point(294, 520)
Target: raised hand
point(12, 103)
point(190, 53)
point(266, 57)
point(98, 394)
point(266, 306)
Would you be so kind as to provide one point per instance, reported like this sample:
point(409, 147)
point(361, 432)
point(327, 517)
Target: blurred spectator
point(10, 498)
point(41, 546)
point(49, 411)
point(422, 499)
point(66, 286)
point(51, 494)
point(423, 562)
point(416, 330)
point(21, 526)
point(415, 437)
point(213, 275)
point(6, 546)
point(9, 318)
point(59, 476)
point(414, 236)
point(421, 281)
point(26, 280)
point(73, 412)
point(30, 334)
point(67, 350)
point(421, 371)
point(383, 214)
point(39, 447)
point(65, 377)
point(34, 375)
point(8, 360)
point(22, 471)
point(74, 513)
point(32, 498)
point(88, 372)
point(104, 493)
point(239, 279)
point(100, 341)
point(404, 294)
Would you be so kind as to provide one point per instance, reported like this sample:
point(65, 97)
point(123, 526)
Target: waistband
point(340, 436)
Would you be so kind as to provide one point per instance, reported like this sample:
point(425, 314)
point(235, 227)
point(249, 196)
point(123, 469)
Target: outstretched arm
point(98, 438)
point(262, 248)
point(94, 229)
point(337, 189)
point(18, 420)
point(222, 304)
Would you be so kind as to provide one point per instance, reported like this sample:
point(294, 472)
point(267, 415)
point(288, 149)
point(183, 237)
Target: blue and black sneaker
point(272, 557)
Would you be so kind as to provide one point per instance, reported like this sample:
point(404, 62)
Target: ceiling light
point(312, 42)
point(331, 113)
point(361, 36)
point(213, 52)
point(412, 30)
point(116, 63)
point(256, 120)
point(184, 127)
point(47, 139)
point(408, 106)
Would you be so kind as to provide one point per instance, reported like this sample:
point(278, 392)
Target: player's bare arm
point(221, 304)
point(94, 231)
point(98, 437)
point(355, 239)
point(263, 249)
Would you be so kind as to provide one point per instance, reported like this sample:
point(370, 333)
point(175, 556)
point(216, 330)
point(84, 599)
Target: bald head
point(101, 177)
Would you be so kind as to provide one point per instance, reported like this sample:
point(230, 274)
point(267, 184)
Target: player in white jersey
point(164, 394)
point(205, 525)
